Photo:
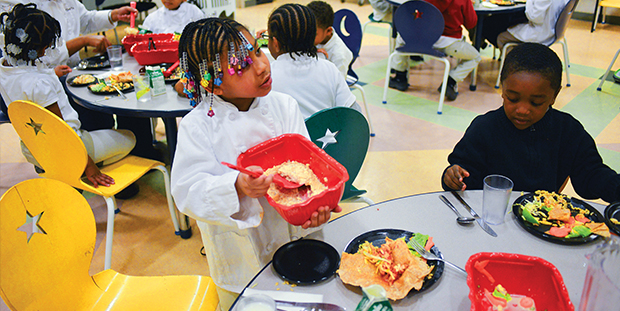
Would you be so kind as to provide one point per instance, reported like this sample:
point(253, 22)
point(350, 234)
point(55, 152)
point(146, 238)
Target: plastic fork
point(277, 178)
point(109, 83)
point(430, 256)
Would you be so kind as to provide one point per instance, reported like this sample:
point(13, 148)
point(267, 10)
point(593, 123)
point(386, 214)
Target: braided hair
point(323, 12)
point(27, 31)
point(534, 58)
point(294, 25)
point(202, 42)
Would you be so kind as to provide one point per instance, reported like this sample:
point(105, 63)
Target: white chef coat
point(170, 21)
point(541, 15)
point(338, 53)
point(240, 236)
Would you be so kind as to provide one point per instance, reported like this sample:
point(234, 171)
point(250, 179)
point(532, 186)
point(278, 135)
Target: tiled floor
point(407, 155)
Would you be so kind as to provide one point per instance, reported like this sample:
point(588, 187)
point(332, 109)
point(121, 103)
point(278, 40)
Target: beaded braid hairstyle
point(27, 30)
point(201, 44)
point(294, 26)
point(534, 58)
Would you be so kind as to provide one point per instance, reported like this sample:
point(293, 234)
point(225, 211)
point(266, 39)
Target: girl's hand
point(100, 43)
point(453, 177)
point(253, 187)
point(323, 51)
point(62, 70)
point(95, 176)
point(320, 217)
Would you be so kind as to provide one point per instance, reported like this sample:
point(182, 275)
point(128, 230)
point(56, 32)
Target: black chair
point(4, 115)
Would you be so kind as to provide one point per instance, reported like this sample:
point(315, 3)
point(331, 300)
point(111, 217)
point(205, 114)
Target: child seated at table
point(172, 17)
point(234, 110)
point(327, 41)
point(528, 141)
point(28, 34)
point(315, 83)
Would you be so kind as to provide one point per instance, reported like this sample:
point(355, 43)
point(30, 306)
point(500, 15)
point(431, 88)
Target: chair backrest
point(217, 8)
point(52, 142)
point(351, 137)
point(349, 28)
point(420, 24)
point(4, 113)
point(562, 22)
point(46, 270)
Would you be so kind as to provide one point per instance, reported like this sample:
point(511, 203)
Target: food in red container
point(523, 277)
point(129, 40)
point(295, 147)
point(299, 173)
point(156, 52)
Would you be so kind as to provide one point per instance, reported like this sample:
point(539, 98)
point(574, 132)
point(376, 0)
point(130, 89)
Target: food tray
point(164, 52)
point(129, 40)
point(296, 147)
point(519, 274)
point(94, 63)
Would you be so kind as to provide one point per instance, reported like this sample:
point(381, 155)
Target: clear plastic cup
point(256, 302)
point(495, 196)
point(142, 88)
point(601, 289)
point(115, 56)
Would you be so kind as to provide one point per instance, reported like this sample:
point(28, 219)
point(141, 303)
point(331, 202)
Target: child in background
point(172, 17)
point(327, 40)
point(528, 141)
point(315, 83)
point(235, 110)
point(28, 34)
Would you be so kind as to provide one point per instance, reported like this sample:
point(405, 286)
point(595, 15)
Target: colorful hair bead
point(217, 70)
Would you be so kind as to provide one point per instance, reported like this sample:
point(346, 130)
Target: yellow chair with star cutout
point(62, 156)
point(48, 268)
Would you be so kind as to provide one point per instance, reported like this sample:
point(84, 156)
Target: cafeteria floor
point(406, 157)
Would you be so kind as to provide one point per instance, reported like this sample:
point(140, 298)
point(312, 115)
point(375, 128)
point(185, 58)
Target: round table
point(425, 213)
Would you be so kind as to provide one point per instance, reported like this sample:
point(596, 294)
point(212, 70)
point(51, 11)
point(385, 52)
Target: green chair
point(344, 134)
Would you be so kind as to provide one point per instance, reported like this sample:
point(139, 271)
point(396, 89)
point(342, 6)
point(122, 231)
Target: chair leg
point(387, 77)
point(595, 16)
point(444, 84)
point(111, 204)
point(180, 227)
point(501, 63)
point(604, 77)
point(359, 87)
point(566, 61)
point(604, 12)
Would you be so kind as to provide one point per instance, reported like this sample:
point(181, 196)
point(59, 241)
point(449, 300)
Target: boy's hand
point(62, 70)
point(95, 176)
point(320, 217)
point(100, 43)
point(253, 187)
point(453, 177)
point(323, 51)
point(259, 33)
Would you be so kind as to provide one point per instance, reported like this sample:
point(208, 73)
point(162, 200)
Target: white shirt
point(541, 15)
point(39, 85)
point(338, 53)
point(240, 236)
point(170, 21)
point(316, 84)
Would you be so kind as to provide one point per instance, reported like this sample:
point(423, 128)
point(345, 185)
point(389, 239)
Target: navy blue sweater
point(537, 158)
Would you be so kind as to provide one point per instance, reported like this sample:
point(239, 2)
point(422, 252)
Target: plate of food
point(503, 2)
point(306, 261)
point(95, 62)
point(101, 88)
point(559, 218)
point(612, 217)
point(383, 257)
point(82, 80)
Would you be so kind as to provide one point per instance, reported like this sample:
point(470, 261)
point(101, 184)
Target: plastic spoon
point(277, 178)
point(462, 220)
point(132, 21)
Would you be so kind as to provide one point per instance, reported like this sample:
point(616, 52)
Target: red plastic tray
point(519, 274)
point(296, 147)
point(164, 52)
point(129, 40)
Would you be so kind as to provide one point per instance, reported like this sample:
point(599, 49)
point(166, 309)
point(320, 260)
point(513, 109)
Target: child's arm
point(453, 177)
point(247, 185)
point(100, 43)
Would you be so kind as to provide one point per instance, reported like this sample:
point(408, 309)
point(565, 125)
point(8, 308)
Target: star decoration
point(417, 14)
point(27, 226)
point(36, 126)
point(329, 138)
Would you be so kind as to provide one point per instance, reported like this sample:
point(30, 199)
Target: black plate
point(613, 211)
point(142, 71)
point(70, 80)
point(306, 261)
point(539, 231)
point(129, 89)
point(95, 62)
point(377, 238)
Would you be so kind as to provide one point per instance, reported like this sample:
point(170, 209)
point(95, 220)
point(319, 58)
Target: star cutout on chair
point(417, 14)
point(28, 228)
point(36, 126)
point(329, 138)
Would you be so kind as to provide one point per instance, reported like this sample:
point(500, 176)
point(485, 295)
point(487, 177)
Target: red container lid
point(164, 52)
point(295, 147)
point(518, 274)
point(129, 40)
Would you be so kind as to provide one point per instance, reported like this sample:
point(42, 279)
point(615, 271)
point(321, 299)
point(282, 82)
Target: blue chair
point(560, 29)
point(347, 26)
point(420, 24)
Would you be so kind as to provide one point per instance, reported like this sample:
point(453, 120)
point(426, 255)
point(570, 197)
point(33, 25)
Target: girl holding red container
point(228, 80)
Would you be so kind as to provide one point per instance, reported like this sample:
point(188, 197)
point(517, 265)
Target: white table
point(425, 213)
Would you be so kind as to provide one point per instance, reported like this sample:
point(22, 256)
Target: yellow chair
point(602, 5)
point(48, 269)
point(61, 153)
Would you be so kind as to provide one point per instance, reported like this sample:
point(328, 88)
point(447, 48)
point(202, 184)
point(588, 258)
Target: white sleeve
point(45, 93)
point(536, 10)
point(92, 21)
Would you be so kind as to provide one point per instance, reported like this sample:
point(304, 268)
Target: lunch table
point(425, 213)
point(168, 106)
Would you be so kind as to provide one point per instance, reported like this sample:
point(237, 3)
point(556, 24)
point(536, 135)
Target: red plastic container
point(129, 40)
point(296, 147)
point(519, 274)
point(164, 52)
